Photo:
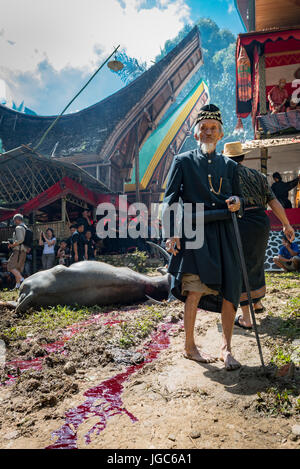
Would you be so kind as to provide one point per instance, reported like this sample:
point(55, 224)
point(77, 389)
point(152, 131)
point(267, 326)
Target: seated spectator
point(281, 189)
point(278, 97)
point(7, 280)
point(78, 245)
point(63, 253)
point(91, 246)
point(48, 240)
point(289, 256)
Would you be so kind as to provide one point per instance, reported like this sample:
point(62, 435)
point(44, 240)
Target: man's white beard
point(207, 147)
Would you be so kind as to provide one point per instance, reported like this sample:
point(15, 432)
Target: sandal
point(237, 323)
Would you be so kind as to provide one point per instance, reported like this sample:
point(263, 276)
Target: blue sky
point(50, 48)
point(223, 12)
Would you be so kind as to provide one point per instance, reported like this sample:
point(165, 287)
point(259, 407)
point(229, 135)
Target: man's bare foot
point(197, 356)
point(259, 307)
point(229, 361)
point(278, 263)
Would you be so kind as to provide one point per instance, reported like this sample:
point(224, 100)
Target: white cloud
point(231, 8)
point(70, 32)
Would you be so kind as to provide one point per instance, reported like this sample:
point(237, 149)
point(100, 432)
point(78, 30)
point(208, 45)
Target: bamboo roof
point(25, 174)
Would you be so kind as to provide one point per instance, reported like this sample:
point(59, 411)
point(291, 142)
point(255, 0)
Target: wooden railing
point(60, 228)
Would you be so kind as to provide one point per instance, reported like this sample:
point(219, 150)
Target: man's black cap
point(209, 111)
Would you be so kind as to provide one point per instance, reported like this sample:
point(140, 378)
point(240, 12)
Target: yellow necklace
point(211, 186)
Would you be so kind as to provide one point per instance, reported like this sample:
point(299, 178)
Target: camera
point(4, 246)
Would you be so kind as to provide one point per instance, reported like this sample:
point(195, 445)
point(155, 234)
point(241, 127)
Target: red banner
point(60, 189)
point(270, 36)
point(293, 215)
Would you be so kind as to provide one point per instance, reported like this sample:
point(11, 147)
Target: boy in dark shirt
point(78, 245)
point(91, 246)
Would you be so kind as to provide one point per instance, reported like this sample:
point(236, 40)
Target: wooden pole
point(63, 210)
point(137, 166)
point(264, 160)
point(34, 247)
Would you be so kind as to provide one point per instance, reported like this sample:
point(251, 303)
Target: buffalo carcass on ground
point(90, 283)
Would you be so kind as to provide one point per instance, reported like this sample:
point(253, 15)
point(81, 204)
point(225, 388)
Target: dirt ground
point(157, 399)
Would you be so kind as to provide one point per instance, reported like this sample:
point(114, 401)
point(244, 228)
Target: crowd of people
point(82, 244)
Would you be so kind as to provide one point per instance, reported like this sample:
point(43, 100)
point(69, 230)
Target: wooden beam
point(63, 209)
point(264, 160)
point(137, 165)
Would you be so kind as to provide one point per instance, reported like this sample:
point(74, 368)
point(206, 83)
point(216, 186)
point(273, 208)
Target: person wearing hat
point(208, 277)
point(254, 228)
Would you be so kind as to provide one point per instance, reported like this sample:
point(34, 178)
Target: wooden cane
point(246, 281)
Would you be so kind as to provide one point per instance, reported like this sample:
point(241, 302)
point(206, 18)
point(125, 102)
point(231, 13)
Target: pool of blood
point(104, 401)
point(36, 364)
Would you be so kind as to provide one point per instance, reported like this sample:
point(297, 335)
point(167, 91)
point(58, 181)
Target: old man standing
point(208, 277)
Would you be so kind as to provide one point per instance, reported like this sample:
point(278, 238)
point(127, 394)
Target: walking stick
point(246, 281)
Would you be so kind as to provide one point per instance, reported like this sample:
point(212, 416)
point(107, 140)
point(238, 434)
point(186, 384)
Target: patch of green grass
point(59, 316)
point(281, 357)
point(278, 402)
point(132, 331)
point(282, 280)
point(15, 333)
point(48, 319)
point(9, 295)
point(136, 261)
point(293, 307)
point(289, 329)
point(290, 326)
point(289, 313)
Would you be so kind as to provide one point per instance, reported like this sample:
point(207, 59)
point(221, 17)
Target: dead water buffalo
point(89, 283)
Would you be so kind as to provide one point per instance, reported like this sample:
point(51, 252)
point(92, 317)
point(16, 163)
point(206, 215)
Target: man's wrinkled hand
point(173, 245)
point(233, 203)
point(289, 232)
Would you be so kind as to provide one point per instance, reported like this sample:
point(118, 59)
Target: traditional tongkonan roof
point(167, 139)
point(25, 174)
point(103, 128)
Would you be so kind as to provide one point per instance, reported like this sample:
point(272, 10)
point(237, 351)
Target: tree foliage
point(132, 67)
point(218, 72)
